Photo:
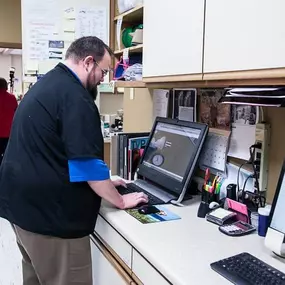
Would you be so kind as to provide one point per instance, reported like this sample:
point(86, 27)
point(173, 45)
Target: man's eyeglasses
point(104, 71)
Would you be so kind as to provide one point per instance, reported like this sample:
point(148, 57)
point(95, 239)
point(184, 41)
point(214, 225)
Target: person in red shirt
point(8, 106)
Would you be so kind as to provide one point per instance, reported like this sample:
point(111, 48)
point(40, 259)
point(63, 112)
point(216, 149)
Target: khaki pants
point(53, 261)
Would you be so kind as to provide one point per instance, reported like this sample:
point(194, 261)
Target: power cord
point(238, 174)
point(242, 195)
point(254, 200)
point(257, 198)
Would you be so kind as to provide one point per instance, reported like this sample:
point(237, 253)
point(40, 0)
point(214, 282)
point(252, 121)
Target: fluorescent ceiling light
point(16, 52)
point(7, 51)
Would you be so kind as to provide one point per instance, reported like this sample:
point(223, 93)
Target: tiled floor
point(10, 256)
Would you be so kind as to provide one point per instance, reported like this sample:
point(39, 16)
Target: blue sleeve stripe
point(83, 170)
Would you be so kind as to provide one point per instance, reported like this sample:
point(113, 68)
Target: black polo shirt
point(57, 121)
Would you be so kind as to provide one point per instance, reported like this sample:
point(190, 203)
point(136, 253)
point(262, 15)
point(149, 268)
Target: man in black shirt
point(53, 175)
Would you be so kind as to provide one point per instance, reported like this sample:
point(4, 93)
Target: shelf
point(130, 84)
point(133, 15)
point(134, 49)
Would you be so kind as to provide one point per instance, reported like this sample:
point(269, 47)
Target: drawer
point(114, 240)
point(106, 270)
point(145, 272)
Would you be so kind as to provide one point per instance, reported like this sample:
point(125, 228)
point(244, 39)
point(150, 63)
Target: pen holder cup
point(208, 197)
point(203, 210)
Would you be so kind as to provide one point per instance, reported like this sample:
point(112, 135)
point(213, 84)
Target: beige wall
point(276, 118)
point(138, 106)
point(110, 103)
point(10, 23)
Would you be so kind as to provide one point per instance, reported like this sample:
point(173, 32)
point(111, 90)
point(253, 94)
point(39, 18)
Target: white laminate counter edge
point(182, 250)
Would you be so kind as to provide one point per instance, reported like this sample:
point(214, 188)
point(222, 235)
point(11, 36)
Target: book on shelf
point(136, 149)
point(129, 151)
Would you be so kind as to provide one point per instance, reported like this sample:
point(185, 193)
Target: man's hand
point(119, 182)
point(106, 190)
point(133, 199)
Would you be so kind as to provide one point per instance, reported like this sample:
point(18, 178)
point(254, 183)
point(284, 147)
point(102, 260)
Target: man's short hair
point(3, 83)
point(87, 46)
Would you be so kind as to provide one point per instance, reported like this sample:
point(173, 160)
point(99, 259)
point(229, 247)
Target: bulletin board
point(50, 26)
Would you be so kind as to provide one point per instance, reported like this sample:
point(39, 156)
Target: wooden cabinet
point(244, 36)
point(173, 39)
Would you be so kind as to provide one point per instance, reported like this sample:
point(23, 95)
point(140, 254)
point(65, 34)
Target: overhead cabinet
point(173, 39)
point(244, 36)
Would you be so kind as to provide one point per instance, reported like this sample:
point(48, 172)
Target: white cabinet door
point(173, 37)
point(244, 35)
point(104, 272)
point(114, 240)
point(146, 272)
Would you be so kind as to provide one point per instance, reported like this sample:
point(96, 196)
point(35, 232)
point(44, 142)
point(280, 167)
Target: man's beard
point(92, 89)
point(93, 92)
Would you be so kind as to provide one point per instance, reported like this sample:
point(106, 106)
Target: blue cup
point(263, 221)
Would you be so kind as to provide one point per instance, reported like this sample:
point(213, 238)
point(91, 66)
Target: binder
point(123, 147)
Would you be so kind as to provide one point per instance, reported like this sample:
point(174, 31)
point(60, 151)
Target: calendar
point(214, 153)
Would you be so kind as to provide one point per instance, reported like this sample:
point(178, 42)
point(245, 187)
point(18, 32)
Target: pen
point(219, 188)
point(207, 176)
point(214, 184)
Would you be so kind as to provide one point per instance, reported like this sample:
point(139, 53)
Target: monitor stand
point(275, 241)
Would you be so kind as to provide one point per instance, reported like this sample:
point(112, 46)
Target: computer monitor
point(275, 237)
point(171, 154)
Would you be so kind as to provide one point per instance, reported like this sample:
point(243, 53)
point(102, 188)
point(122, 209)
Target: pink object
point(239, 208)
point(119, 69)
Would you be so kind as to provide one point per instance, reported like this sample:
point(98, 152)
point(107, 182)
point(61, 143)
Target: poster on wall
point(50, 26)
point(91, 22)
point(42, 22)
point(212, 113)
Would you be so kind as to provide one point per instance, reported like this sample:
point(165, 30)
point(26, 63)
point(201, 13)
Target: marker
point(207, 176)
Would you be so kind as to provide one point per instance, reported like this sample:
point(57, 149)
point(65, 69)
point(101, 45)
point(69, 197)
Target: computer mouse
point(214, 205)
point(146, 210)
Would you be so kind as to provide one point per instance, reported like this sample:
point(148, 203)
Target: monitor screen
point(170, 149)
point(171, 154)
point(278, 216)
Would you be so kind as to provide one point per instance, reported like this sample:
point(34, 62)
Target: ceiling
point(9, 51)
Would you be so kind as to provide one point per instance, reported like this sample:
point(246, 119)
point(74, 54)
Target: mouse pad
point(162, 216)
